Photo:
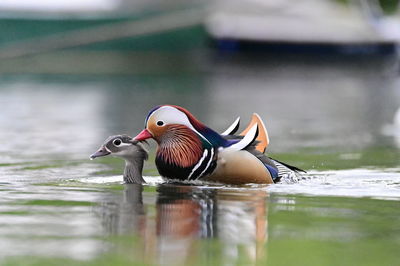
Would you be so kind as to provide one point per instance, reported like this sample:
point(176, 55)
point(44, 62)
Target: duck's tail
point(287, 172)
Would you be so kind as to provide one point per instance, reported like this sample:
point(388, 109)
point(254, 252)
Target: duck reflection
point(123, 215)
point(188, 220)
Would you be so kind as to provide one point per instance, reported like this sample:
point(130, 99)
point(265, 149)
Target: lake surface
point(336, 117)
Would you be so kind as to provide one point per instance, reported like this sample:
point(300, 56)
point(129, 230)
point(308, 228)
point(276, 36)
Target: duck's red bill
point(145, 134)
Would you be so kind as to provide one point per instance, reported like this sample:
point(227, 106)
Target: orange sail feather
point(263, 139)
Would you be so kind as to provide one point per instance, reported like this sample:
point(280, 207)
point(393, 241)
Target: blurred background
point(323, 74)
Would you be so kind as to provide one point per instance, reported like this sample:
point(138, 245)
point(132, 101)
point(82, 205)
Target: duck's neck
point(133, 171)
point(180, 146)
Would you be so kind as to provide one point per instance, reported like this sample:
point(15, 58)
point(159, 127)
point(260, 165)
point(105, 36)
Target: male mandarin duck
point(189, 150)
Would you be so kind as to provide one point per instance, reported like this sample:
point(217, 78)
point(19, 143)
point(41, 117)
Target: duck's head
point(162, 118)
point(132, 151)
point(121, 146)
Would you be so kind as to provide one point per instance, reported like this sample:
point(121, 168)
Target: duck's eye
point(160, 123)
point(117, 142)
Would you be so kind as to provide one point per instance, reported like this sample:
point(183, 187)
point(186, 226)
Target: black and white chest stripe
point(204, 166)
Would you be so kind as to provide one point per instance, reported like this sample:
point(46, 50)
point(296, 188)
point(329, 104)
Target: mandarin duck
point(189, 150)
point(132, 151)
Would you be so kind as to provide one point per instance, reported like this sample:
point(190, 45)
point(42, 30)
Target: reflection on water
point(176, 225)
point(183, 216)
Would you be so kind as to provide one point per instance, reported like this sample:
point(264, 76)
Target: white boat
point(304, 22)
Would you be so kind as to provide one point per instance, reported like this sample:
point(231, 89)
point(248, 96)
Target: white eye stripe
point(117, 142)
point(171, 115)
point(120, 143)
point(125, 144)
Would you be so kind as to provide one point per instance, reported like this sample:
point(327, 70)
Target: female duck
point(132, 151)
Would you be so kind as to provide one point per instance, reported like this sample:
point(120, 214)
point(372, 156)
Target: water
point(334, 117)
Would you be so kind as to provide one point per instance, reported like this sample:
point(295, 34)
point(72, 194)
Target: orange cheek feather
point(156, 131)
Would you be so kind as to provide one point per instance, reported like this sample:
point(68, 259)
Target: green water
point(334, 117)
point(114, 225)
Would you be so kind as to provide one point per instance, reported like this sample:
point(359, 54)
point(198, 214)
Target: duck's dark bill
point(101, 152)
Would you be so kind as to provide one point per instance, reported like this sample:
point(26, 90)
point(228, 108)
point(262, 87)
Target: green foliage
point(60, 203)
point(389, 6)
